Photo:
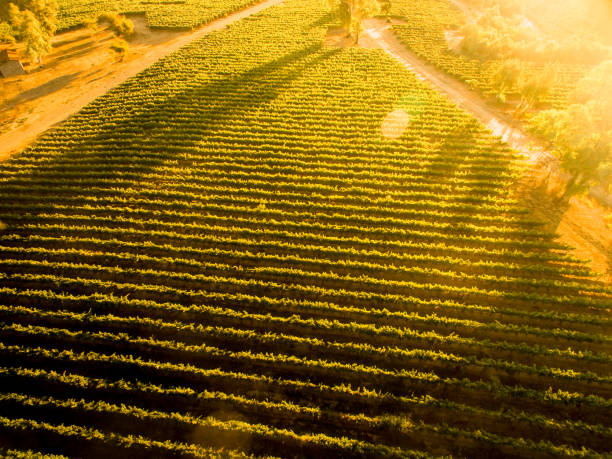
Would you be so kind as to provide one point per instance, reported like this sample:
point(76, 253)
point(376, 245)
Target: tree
point(353, 12)
point(46, 13)
point(582, 133)
point(507, 77)
point(584, 148)
point(35, 25)
point(118, 24)
point(6, 33)
point(385, 7)
point(534, 89)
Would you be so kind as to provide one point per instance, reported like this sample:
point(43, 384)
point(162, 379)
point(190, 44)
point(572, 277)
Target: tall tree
point(584, 147)
point(35, 25)
point(385, 7)
point(353, 12)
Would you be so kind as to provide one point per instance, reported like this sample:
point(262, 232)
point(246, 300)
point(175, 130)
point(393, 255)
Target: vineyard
point(424, 31)
point(166, 14)
point(225, 256)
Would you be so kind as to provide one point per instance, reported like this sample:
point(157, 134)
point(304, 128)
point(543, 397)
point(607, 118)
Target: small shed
point(10, 64)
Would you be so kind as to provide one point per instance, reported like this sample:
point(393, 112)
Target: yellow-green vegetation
point(558, 76)
point(226, 256)
point(486, 46)
point(352, 13)
point(582, 133)
point(33, 22)
point(165, 14)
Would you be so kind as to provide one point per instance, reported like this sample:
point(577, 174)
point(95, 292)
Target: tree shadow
point(42, 90)
point(80, 47)
point(327, 19)
point(145, 127)
point(454, 157)
point(67, 41)
point(75, 54)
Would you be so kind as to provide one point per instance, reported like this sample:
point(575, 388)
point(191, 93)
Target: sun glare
point(395, 124)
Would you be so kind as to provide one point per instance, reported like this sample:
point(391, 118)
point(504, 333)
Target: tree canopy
point(34, 22)
point(353, 12)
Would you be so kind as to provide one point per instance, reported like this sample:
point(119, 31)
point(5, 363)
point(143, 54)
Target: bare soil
point(80, 69)
point(581, 222)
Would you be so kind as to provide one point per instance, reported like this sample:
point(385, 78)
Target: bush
point(535, 88)
point(584, 148)
point(118, 24)
point(120, 47)
point(91, 24)
point(507, 77)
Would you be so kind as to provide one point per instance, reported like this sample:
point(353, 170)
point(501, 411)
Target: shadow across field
point(44, 89)
point(163, 126)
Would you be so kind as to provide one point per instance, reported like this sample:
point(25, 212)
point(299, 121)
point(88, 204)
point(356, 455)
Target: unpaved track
point(378, 34)
point(580, 224)
point(47, 117)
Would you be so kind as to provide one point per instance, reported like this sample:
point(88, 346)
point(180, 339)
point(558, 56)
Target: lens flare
point(395, 124)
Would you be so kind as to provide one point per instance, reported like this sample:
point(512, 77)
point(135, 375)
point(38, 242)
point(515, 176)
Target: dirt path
point(46, 98)
point(580, 223)
point(378, 34)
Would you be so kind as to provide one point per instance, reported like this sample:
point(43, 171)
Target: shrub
point(118, 24)
point(120, 47)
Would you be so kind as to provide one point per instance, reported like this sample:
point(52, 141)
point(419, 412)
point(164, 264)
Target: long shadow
point(44, 89)
point(327, 19)
point(82, 46)
point(454, 152)
point(77, 53)
point(217, 103)
point(59, 44)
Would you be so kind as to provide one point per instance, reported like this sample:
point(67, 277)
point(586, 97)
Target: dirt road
point(379, 34)
point(579, 223)
point(52, 105)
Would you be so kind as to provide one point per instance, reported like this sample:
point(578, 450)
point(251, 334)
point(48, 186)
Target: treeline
point(494, 35)
point(582, 133)
point(34, 22)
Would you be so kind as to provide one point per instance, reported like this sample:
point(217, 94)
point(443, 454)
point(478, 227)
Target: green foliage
point(91, 24)
point(507, 77)
point(352, 13)
point(583, 144)
point(497, 36)
point(596, 88)
point(35, 26)
point(582, 133)
point(6, 33)
point(535, 89)
point(121, 26)
point(180, 15)
point(120, 47)
point(227, 246)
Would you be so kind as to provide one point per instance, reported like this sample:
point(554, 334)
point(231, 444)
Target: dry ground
point(80, 69)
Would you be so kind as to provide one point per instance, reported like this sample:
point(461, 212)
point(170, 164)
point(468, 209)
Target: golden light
point(395, 124)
